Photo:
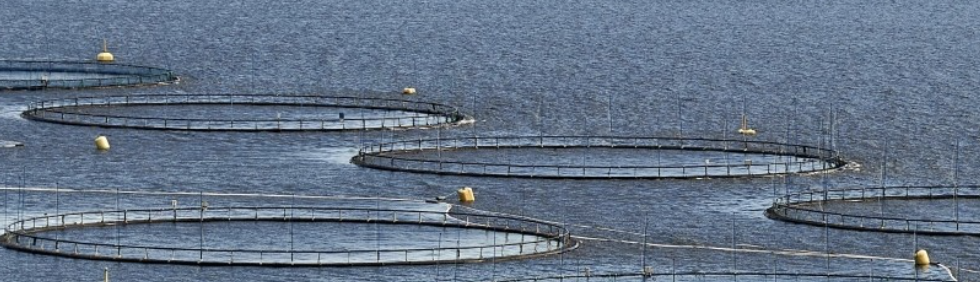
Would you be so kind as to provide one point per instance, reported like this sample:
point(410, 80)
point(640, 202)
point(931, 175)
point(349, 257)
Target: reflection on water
point(894, 80)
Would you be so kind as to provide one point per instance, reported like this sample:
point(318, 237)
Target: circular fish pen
point(932, 210)
point(439, 237)
point(38, 75)
point(231, 112)
point(627, 157)
point(726, 276)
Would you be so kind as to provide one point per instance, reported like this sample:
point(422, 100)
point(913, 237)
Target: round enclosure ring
point(231, 112)
point(723, 276)
point(513, 237)
point(878, 208)
point(37, 75)
point(630, 157)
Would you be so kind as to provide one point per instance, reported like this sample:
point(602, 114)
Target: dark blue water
point(898, 78)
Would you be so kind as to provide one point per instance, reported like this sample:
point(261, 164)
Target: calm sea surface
point(888, 83)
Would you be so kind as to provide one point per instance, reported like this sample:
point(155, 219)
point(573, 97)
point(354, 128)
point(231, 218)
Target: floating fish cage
point(931, 210)
point(513, 237)
point(39, 75)
point(729, 158)
point(230, 112)
point(703, 276)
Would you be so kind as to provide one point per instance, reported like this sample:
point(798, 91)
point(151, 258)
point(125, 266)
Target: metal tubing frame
point(23, 235)
point(798, 207)
point(700, 275)
point(70, 111)
point(125, 75)
point(386, 156)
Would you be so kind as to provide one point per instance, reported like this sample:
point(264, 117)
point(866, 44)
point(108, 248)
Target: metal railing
point(806, 207)
point(104, 74)
point(782, 158)
point(72, 111)
point(727, 276)
point(524, 237)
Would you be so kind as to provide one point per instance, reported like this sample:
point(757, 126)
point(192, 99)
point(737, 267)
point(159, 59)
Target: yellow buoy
point(105, 275)
point(105, 56)
point(466, 195)
point(102, 143)
point(921, 257)
point(408, 91)
point(744, 129)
